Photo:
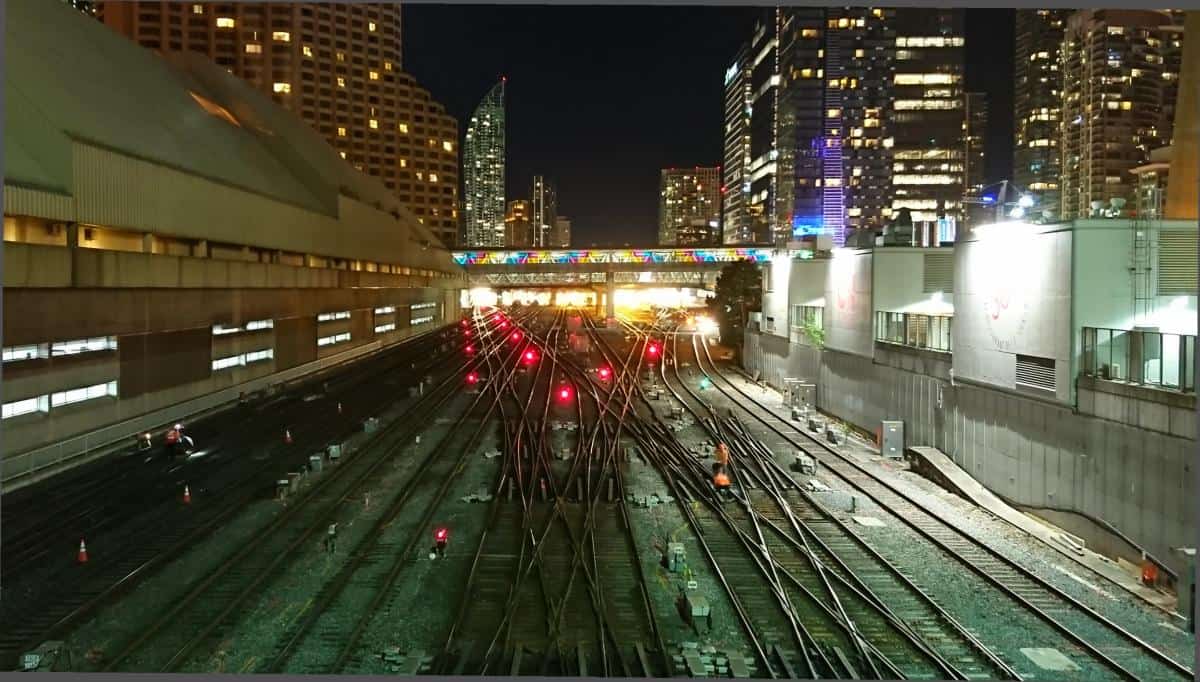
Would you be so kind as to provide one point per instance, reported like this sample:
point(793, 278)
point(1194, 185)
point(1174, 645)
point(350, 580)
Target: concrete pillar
point(200, 249)
point(610, 292)
point(147, 243)
point(72, 235)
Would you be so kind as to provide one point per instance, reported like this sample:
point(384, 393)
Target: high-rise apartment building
point(518, 225)
point(545, 211)
point(1037, 104)
point(483, 172)
point(928, 115)
point(974, 133)
point(1119, 82)
point(735, 190)
point(562, 233)
point(689, 206)
point(834, 170)
point(336, 66)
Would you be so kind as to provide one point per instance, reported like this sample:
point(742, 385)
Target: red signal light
point(516, 335)
point(653, 349)
point(472, 378)
point(530, 356)
point(504, 324)
point(470, 348)
point(465, 323)
point(604, 372)
point(564, 393)
point(467, 333)
point(441, 535)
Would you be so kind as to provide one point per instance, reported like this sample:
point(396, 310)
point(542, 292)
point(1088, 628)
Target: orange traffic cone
point(287, 436)
point(82, 557)
point(187, 495)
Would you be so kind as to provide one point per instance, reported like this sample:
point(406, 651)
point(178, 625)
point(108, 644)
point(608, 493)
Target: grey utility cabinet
point(893, 439)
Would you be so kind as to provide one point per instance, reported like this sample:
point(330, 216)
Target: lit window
point(225, 22)
point(421, 320)
point(197, 9)
point(78, 395)
point(385, 310)
point(1126, 105)
point(342, 154)
point(336, 338)
point(420, 175)
point(380, 329)
point(402, 127)
point(283, 87)
point(26, 406)
point(16, 353)
point(387, 66)
point(806, 73)
point(433, 177)
point(404, 163)
point(253, 48)
point(99, 343)
point(833, 113)
point(859, 54)
point(341, 82)
point(341, 56)
point(260, 324)
point(809, 33)
point(374, 124)
point(843, 23)
point(281, 36)
point(370, 26)
point(327, 317)
point(448, 146)
point(307, 50)
point(373, 75)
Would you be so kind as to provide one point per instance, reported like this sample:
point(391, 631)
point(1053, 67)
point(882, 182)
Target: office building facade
point(734, 189)
point(518, 225)
point(689, 206)
point(483, 172)
point(337, 66)
point(562, 233)
point(1120, 71)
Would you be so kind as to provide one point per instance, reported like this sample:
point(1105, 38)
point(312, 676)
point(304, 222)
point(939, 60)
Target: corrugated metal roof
point(70, 78)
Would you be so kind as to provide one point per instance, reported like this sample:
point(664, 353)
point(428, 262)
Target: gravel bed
point(897, 543)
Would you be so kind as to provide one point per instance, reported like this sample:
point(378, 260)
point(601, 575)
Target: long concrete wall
point(1033, 452)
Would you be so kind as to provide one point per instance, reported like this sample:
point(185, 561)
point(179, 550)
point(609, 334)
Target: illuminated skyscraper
point(735, 190)
point(928, 115)
point(1120, 71)
point(545, 210)
point(337, 67)
point(483, 172)
point(689, 206)
point(1037, 103)
point(518, 228)
point(562, 233)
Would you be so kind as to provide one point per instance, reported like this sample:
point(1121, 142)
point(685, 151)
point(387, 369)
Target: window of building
point(197, 9)
point(380, 329)
point(328, 317)
point(78, 395)
point(385, 310)
point(307, 50)
point(253, 48)
point(27, 406)
point(374, 124)
point(1035, 372)
point(283, 87)
point(341, 81)
point(225, 22)
point(92, 345)
point(448, 145)
point(331, 340)
point(387, 66)
point(370, 26)
point(281, 36)
point(373, 75)
point(421, 320)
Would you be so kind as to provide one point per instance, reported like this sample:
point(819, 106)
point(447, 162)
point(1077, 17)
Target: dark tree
point(739, 292)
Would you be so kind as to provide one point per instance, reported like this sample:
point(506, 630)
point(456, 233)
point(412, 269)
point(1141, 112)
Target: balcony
point(1140, 358)
point(924, 332)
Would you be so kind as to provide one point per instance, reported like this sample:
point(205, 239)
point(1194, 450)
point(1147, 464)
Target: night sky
point(599, 99)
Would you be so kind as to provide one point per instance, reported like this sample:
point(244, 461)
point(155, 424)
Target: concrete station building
point(173, 238)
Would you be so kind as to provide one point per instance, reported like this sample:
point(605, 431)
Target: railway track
point(1113, 648)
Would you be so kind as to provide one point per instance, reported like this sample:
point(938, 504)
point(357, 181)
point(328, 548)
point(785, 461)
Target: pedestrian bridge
point(695, 267)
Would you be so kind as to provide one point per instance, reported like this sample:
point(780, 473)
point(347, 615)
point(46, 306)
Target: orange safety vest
point(722, 454)
point(721, 480)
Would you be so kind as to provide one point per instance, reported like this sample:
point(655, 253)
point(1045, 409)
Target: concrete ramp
point(937, 467)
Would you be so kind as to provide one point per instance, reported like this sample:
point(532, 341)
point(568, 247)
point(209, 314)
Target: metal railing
point(927, 332)
point(1144, 358)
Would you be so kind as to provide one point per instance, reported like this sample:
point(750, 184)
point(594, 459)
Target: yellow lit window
point(374, 124)
point(448, 146)
point(877, 12)
point(433, 177)
point(341, 131)
point(403, 127)
point(387, 66)
point(420, 176)
point(809, 33)
point(225, 22)
point(806, 73)
point(197, 9)
point(253, 48)
point(370, 26)
point(283, 87)
point(341, 56)
point(833, 113)
point(342, 154)
point(341, 82)
point(843, 23)
point(281, 36)
point(373, 75)
point(1126, 106)
point(404, 163)
point(860, 53)
point(307, 51)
